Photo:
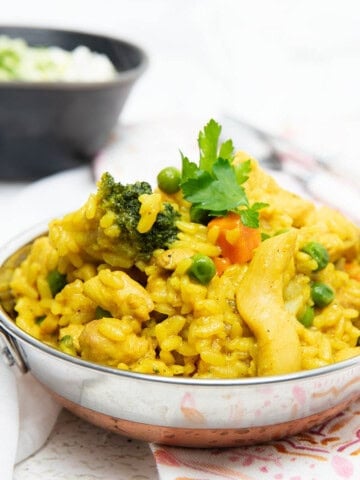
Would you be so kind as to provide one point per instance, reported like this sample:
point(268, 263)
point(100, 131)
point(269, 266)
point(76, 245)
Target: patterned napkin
point(330, 451)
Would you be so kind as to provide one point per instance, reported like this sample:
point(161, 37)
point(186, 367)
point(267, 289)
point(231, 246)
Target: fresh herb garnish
point(215, 186)
point(208, 142)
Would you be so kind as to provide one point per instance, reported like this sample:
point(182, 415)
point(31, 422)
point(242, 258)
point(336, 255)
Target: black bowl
point(46, 127)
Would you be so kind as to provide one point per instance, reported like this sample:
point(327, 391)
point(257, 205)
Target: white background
point(291, 67)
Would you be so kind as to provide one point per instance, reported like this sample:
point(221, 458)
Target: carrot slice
point(353, 270)
point(237, 242)
point(221, 264)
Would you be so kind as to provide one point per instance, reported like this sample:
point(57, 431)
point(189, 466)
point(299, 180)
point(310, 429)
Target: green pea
point(321, 294)
point(169, 179)
point(202, 268)
point(306, 317)
point(318, 252)
point(56, 281)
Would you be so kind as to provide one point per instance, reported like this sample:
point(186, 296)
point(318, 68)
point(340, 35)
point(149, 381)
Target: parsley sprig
point(214, 187)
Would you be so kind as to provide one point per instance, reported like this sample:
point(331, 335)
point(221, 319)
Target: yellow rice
point(172, 325)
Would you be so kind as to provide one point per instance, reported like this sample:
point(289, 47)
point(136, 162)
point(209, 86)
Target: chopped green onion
point(102, 313)
point(40, 319)
point(56, 281)
point(66, 345)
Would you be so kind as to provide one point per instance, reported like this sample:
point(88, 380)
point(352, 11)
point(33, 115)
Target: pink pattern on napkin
point(331, 450)
point(343, 467)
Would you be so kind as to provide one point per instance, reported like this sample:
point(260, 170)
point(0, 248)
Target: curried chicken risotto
point(217, 273)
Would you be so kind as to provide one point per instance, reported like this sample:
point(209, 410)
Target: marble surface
point(81, 451)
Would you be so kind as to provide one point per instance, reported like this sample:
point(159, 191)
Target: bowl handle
point(10, 352)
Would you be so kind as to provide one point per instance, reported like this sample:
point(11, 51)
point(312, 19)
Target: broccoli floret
point(123, 201)
point(105, 228)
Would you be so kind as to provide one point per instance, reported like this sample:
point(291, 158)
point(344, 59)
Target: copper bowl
point(177, 411)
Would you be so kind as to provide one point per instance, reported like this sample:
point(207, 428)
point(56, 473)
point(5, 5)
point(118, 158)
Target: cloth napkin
point(330, 451)
point(27, 416)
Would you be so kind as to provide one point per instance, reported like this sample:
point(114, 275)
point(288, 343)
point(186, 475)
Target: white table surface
point(78, 450)
point(290, 67)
